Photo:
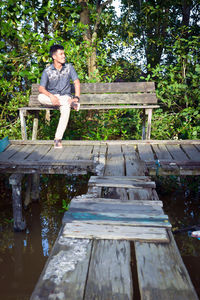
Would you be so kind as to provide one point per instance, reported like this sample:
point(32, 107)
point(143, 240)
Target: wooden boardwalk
point(116, 241)
point(159, 157)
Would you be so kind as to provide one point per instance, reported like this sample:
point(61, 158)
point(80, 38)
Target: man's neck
point(57, 65)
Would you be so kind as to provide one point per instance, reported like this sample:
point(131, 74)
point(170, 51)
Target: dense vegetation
point(150, 40)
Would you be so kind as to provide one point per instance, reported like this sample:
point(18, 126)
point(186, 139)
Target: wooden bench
point(116, 95)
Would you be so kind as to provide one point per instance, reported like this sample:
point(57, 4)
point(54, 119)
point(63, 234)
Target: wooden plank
point(161, 272)
point(119, 182)
point(145, 152)
point(192, 152)
point(119, 106)
point(177, 153)
point(86, 199)
point(117, 207)
point(162, 152)
point(84, 152)
point(197, 146)
point(112, 260)
point(116, 87)
point(9, 152)
point(79, 229)
point(39, 152)
point(22, 153)
point(147, 218)
point(115, 161)
point(53, 155)
point(97, 99)
point(108, 142)
point(115, 165)
point(65, 273)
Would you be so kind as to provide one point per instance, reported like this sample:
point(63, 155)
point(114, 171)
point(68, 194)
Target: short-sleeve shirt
point(58, 82)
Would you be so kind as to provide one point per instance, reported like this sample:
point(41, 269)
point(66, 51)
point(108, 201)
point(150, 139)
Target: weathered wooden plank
point(39, 152)
point(65, 273)
point(86, 199)
point(197, 146)
point(145, 152)
point(117, 207)
point(192, 152)
point(177, 153)
point(115, 165)
point(119, 182)
point(53, 155)
point(47, 162)
point(137, 222)
point(89, 215)
point(9, 152)
point(22, 153)
point(161, 272)
point(79, 229)
point(115, 161)
point(132, 164)
point(109, 142)
point(144, 98)
point(109, 274)
point(162, 152)
point(117, 214)
point(116, 87)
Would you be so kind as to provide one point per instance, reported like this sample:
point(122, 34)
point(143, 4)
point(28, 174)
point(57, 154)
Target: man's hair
point(54, 48)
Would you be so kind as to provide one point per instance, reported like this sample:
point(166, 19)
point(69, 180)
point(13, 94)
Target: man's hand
point(55, 101)
point(74, 103)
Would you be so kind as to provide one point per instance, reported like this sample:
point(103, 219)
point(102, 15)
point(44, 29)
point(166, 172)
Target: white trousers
point(64, 112)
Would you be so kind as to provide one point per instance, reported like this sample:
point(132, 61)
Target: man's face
point(59, 56)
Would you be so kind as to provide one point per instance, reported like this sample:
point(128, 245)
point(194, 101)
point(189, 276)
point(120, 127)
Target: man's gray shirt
point(58, 82)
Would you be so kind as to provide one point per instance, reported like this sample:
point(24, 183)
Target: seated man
point(55, 89)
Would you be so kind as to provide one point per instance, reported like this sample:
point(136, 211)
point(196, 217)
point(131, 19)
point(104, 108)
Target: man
point(55, 89)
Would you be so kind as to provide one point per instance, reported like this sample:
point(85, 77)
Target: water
point(23, 255)
point(181, 200)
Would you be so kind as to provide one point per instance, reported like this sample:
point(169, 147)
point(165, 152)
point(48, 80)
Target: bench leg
point(19, 222)
point(149, 113)
point(144, 125)
point(22, 114)
point(35, 127)
point(48, 116)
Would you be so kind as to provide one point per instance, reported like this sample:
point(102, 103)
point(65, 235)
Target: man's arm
point(53, 98)
point(77, 94)
point(77, 88)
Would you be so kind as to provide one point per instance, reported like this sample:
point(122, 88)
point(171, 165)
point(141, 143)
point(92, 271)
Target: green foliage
point(150, 30)
point(178, 90)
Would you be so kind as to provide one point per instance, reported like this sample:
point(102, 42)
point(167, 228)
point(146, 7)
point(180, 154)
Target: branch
point(99, 11)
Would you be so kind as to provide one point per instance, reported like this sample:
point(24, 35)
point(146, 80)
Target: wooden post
point(22, 114)
point(27, 200)
point(35, 126)
point(47, 116)
point(144, 125)
point(19, 222)
point(149, 113)
point(35, 193)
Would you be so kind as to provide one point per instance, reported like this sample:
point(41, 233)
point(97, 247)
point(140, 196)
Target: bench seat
point(101, 96)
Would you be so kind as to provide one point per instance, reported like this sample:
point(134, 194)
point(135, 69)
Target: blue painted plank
point(4, 144)
point(87, 216)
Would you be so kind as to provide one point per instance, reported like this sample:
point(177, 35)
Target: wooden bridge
point(115, 242)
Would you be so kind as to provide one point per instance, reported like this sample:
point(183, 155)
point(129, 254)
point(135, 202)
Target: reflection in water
point(23, 254)
point(181, 199)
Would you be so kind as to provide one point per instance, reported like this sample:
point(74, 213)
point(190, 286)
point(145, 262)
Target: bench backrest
point(109, 93)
